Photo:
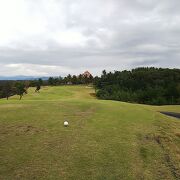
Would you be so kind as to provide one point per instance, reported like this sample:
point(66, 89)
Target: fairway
point(105, 140)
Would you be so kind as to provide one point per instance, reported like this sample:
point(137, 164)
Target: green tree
point(7, 90)
point(38, 87)
point(51, 81)
point(74, 80)
point(40, 81)
point(20, 89)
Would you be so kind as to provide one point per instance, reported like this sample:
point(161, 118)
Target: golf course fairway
point(105, 140)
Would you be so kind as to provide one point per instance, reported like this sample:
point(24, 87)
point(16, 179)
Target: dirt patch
point(18, 130)
point(177, 134)
point(93, 94)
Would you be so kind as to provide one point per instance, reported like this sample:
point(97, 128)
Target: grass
point(105, 139)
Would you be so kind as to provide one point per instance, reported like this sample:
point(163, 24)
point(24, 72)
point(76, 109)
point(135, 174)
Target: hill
point(105, 140)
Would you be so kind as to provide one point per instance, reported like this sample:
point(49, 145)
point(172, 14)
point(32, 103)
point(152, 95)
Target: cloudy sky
point(57, 37)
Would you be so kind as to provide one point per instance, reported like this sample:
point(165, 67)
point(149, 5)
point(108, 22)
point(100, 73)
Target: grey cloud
point(116, 34)
point(145, 63)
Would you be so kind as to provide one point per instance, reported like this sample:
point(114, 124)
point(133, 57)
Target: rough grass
point(105, 139)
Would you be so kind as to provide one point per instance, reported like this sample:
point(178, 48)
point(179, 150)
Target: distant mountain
point(22, 78)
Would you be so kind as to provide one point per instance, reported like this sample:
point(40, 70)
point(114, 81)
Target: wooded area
point(156, 86)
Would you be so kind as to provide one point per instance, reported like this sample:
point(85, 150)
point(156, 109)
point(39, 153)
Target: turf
point(105, 139)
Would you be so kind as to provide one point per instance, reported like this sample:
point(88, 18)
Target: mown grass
point(105, 139)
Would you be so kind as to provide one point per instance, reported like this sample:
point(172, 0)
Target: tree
point(56, 81)
point(38, 84)
point(60, 80)
point(38, 87)
point(74, 79)
point(27, 84)
point(69, 79)
point(51, 81)
point(40, 81)
point(104, 73)
point(20, 89)
point(80, 79)
point(7, 90)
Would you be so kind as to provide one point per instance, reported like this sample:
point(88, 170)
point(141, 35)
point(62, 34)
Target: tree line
point(156, 86)
point(10, 88)
point(70, 79)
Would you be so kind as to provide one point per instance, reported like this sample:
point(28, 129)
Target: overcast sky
point(57, 37)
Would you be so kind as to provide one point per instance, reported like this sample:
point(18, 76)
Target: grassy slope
point(105, 139)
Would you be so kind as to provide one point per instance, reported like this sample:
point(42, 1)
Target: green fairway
point(105, 140)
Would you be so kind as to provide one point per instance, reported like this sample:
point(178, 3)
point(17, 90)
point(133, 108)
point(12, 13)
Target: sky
point(58, 37)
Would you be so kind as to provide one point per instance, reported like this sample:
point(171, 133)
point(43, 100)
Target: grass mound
point(105, 139)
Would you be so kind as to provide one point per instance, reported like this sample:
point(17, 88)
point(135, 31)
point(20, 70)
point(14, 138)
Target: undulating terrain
point(105, 139)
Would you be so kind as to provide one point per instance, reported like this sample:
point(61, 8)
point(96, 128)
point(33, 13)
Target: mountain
point(21, 77)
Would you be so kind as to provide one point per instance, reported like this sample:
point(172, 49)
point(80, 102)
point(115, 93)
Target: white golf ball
point(66, 123)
